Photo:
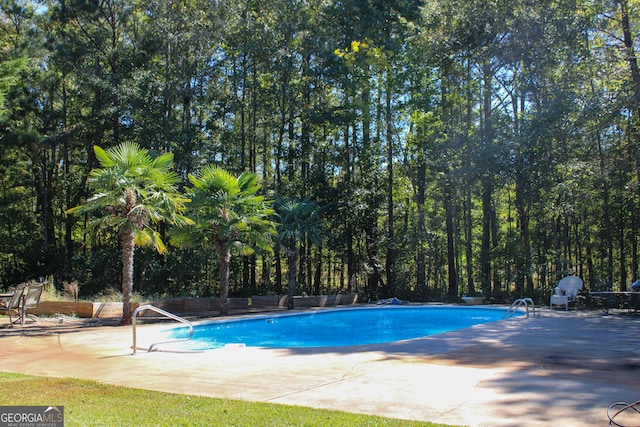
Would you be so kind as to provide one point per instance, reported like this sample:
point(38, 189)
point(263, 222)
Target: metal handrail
point(516, 304)
point(620, 407)
point(164, 313)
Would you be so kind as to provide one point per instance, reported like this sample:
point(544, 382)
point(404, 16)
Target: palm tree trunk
point(128, 247)
point(224, 256)
point(292, 257)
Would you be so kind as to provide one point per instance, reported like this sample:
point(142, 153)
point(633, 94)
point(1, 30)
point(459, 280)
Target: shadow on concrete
point(590, 345)
point(52, 326)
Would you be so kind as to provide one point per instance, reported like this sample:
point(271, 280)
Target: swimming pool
point(337, 327)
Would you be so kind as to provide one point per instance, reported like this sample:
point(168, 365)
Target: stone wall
point(196, 305)
point(191, 306)
point(79, 309)
point(280, 301)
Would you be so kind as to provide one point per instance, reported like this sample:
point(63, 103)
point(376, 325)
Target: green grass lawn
point(89, 403)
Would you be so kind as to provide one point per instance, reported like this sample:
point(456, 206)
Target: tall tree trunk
point(243, 114)
point(292, 258)
point(485, 249)
point(608, 236)
point(128, 247)
point(224, 259)
point(634, 234)
point(278, 264)
point(630, 52)
point(622, 256)
point(468, 235)
point(305, 131)
point(452, 290)
point(46, 195)
point(633, 127)
point(522, 207)
point(468, 204)
point(317, 277)
point(351, 263)
point(309, 266)
point(487, 182)
point(421, 278)
point(301, 271)
point(391, 247)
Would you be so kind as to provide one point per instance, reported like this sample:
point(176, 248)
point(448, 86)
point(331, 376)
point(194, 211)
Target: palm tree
point(229, 217)
point(300, 221)
point(132, 191)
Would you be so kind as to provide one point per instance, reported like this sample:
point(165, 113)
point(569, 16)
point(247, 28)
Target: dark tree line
point(454, 147)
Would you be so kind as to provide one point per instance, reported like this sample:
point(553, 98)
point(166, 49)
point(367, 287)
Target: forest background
point(456, 147)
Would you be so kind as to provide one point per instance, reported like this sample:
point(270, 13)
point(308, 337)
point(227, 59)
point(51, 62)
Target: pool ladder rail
point(517, 304)
point(153, 346)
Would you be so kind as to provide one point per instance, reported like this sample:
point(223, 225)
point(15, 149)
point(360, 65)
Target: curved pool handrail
point(516, 305)
point(166, 314)
point(620, 407)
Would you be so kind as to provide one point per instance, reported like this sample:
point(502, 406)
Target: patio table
point(610, 296)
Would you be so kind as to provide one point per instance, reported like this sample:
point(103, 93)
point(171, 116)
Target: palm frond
point(102, 156)
point(163, 162)
point(133, 189)
point(228, 209)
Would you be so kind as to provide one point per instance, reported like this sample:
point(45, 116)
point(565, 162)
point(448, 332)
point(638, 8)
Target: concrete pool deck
point(562, 368)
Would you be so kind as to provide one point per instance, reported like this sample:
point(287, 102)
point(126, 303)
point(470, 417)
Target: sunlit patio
point(562, 368)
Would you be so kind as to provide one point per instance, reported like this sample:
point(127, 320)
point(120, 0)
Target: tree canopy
point(455, 147)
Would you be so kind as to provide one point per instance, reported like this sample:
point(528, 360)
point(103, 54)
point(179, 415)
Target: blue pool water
point(339, 327)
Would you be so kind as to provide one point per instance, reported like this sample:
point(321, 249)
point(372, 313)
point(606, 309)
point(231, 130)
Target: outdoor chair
point(14, 303)
point(566, 292)
point(31, 300)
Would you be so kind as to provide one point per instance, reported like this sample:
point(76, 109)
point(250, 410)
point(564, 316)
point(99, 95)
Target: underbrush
point(70, 291)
